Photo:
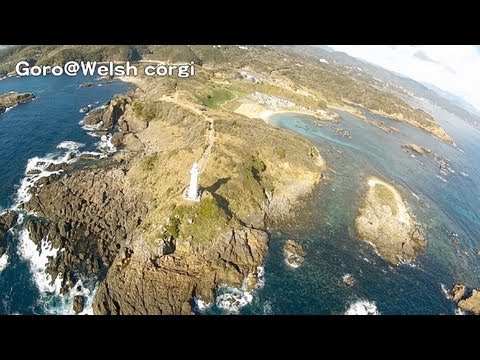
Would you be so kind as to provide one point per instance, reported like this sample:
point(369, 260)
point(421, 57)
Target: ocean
point(47, 129)
point(41, 131)
point(445, 203)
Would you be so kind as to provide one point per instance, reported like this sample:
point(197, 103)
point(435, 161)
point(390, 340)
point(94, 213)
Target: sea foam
point(53, 302)
point(231, 300)
point(37, 168)
point(362, 307)
point(200, 305)
point(38, 261)
point(105, 144)
point(3, 262)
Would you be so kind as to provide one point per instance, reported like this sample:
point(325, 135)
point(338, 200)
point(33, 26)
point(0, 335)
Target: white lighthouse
point(192, 191)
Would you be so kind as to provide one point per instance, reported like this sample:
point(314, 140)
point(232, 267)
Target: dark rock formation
point(89, 216)
point(86, 85)
point(7, 221)
point(139, 284)
point(78, 304)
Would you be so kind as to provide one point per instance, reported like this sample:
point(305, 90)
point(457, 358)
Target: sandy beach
point(259, 111)
point(136, 80)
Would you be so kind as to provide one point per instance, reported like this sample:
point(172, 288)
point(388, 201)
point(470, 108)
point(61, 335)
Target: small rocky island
point(388, 225)
point(417, 149)
point(294, 254)
point(12, 99)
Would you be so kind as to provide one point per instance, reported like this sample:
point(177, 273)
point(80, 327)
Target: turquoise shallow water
point(324, 224)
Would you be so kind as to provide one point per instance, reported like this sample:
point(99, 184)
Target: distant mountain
point(326, 48)
point(395, 83)
point(454, 98)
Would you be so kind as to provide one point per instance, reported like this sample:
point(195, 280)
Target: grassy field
point(216, 98)
point(386, 197)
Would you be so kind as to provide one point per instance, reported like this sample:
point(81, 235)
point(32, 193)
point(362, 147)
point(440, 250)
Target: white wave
point(91, 129)
point(9, 108)
point(63, 304)
point(70, 145)
point(441, 178)
point(53, 302)
point(362, 307)
point(37, 168)
point(464, 173)
point(456, 147)
point(445, 291)
point(459, 311)
point(232, 300)
point(267, 308)
point(416, 196)
point(105, 144)
point(93, 153)
point(38, 262)
point(201, 305)
point(3, 262)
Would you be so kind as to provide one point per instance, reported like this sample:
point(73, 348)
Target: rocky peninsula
point(385, 222)
point(12, 99)
point(466, 298)
point(124, 220)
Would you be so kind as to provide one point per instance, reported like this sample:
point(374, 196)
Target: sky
point(453, 68)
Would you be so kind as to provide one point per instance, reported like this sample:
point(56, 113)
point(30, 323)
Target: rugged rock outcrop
point(458, 292)
point(108, 116)
point(467, 299)
point(387, 224)
point(7, 221)
point(78, 304)
point(89, 214)
point(13, 99)
point(294, 253)
point(145, 281)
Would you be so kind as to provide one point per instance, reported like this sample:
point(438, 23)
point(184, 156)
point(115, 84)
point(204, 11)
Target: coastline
point(267, 114)
point(135, 80)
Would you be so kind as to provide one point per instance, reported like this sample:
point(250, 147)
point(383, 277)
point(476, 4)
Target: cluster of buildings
point(272, 100)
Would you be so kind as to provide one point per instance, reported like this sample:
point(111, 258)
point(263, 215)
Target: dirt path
point(227, 101)
point(210, 137)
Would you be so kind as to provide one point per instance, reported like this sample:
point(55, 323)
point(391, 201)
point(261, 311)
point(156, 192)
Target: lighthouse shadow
point(224, 203)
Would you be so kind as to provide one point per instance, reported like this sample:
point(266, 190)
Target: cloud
point(422, 56)
point(453, 68)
